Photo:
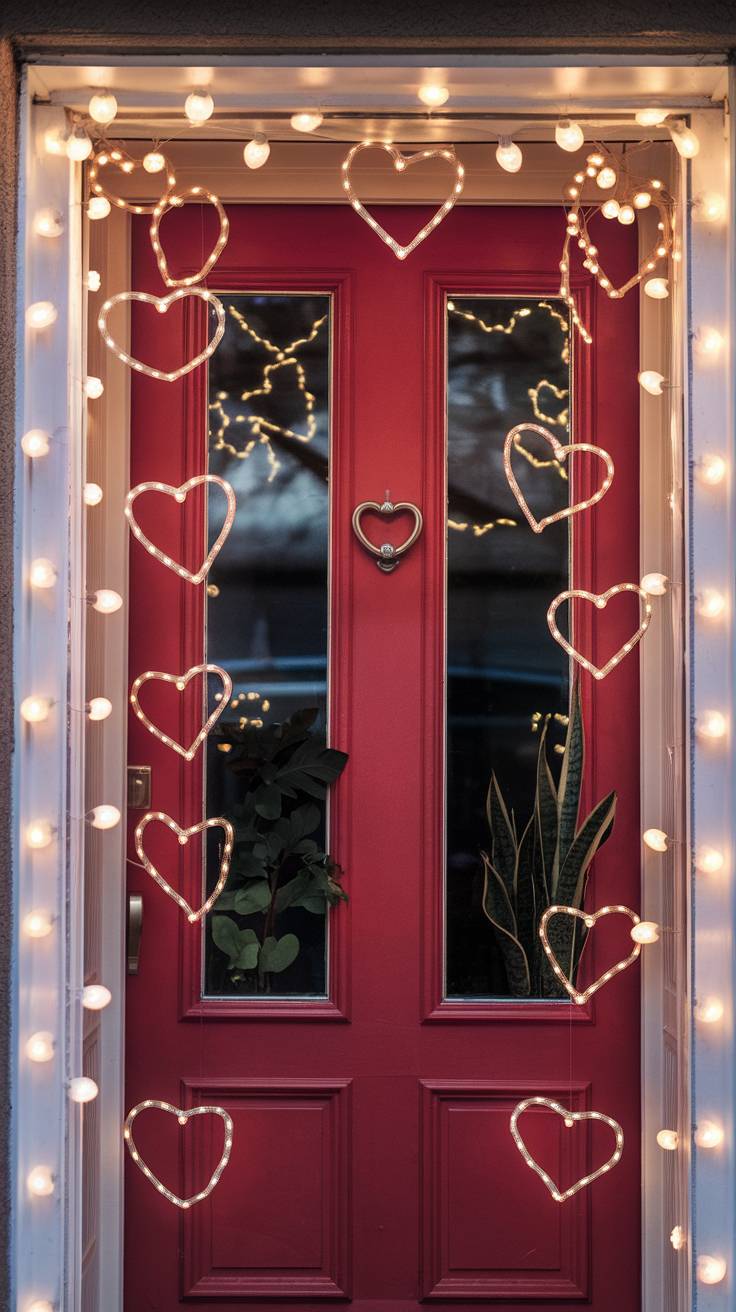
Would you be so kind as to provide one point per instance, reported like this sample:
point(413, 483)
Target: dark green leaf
point(247, 958)
point(497, 908)
point(545, 814)
point(277, 954)
point(267, 801)
point(571, 777)
point(503, 846)
point(248, 864)
point(256, 896)
point(289, 893)
point(526, 910)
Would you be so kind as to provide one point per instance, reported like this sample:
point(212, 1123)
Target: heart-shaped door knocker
point(183, 835)
point(387, 556)
point(561, 1196)
point(589, 919)
point(183, 1116)
point(401, 164)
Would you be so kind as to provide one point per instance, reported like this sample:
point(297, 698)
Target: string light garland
point(180, 682)
point(401, 163)
point(183, 836)
point(174, 200)
point(562, 419)
point(589, 919)
point(183, 1116)
point(600, 600)
point(560, 453)
point(570, 1118)
point(103, 107)
point(126, 164)
point(180, 495)
point(199, 106)
point(162, 304)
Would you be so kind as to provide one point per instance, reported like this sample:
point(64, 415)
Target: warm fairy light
point(708, 342)
point(657, 288)
point(711, 208)
point(106, 601)
point(709, 860)
point(54, 141)
point(656, 840)
point(256, 151)
point(606, 178)
point(94, 281)
point(83, 1089)
point(48, 223)
point(183, 1116)
point(79, 145)
point(98, 207)
point(180, 682)
point(35, 443)
point(99, 708)
point(38, 924)
point(651, 381)
point(177, 199)
point(686, 142)
point(509, 155)
point(199, 106)
point(651, 117)
point(711, 1270)
point(103, 107)
point(642, 199)
point(92, 494)
point(183, 836)
point(42, 573)
point(402, 162)
point(180, 495)
point(678, 1238)
point(712, 725)
point(668, 1139)
point(95, 997)
point(41, 314)
point(126, 164)
point(34, 710)
point(655, 585)
point(647, 931)
point(154, 162)
point(600, 600)
point(104, 816)
point(589, 919)
point(433, 95)
point(710, 1011)
point(711, 604)
point(708, 1135)
point(560, 453)
point(40, 1047)
point(712, 470)
point(162, 304)
point(39, 833)
point(626, 215)
point(40, 1305)
point(610, 208)
point(40, 1181)
point(306, 121)
point(569, 1118)
point(93, 387)
point(569, 135)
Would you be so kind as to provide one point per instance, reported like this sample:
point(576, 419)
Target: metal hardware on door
point(135, 929)
point(139, 787)
point(387, 556)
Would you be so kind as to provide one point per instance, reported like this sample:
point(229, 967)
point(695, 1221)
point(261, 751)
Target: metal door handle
point(388, 556)
point(135, 929)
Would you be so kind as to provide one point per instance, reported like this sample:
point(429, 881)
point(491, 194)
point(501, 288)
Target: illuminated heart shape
point(589, 919)
point(183, 835)
point(183, 1116)
point(387, 555)
point(180, 681)
point(569, 1118)
point(180, 494)
point(401, 163)
point(162, 304)
point(126, 164)
point(600, 600)
point(175, 200)
point(560, 453)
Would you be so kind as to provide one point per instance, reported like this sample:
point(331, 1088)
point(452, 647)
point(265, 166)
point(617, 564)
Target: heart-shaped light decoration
point(180, 681)
point(401, 163)
point(569, 1118)
point(162, 304)
point(183, 835)
point(177, 199)
point(125, 163)
point(180, 494)
point(600, 600)
point(183, 1116)
point(560, 453)
point(589, 919)
point(387, 556)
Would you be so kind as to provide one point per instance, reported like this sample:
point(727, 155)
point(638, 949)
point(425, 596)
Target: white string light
point(35, 443)
point(668, 1139)
point(712, 725)
point(656, 840)
point(560, 453)
point(655, 585)
point(708, 1135)
point(708, 342)
point(711, 1270)
point(256, 151)
point(183, 836)
point(647, 931)
point(710, 1011)
point(686, 142)
point(106, 601)
point(568, 135)
point(180, 495)
point(600, 600)
point(98, 207)
point(48, 223)
point(92, 494)
point(79, 145)
point(38, 924)
point(678, 1238)
point(104, 816)
point(42, 573)
point(39, 834)
point(98, 708)
point(711, 470)
point(103, 107)
point(40, 1047)
point(651, 117)
point(401, 163)
point(569, 1118)
point(711, 604)
point(83, 1089)
point(174, 200)
point(40, 1181)
point(180, 682)
point(651, 381)
point(307, 121)
point(183, 1117)
point(162, 304)
point(41, 314)
point(199, 106)
point(95, 997)
point(54, 141)
point(709, 860)
point(93, 387)
point(35, 709)
point(589, 919)
point(433, 95)
point(40, 1305)
point(711, 208)
point(657, 289)
point(509, 155)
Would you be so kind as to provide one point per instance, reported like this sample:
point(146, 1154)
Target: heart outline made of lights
point(183, 1115)
point(173, 200)
point(402, 162)
point(127, 165)
point(183, 836)
point(560, 452)
point(600, 600)
point(180, 681)
point(180, 494)
point(561, 1196)
point(589, 918)
point(162, 304)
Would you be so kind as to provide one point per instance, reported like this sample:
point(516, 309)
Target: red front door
point(370, 1054)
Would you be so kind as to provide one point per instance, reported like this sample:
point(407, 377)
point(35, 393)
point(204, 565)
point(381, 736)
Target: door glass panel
point(267, 625)
point(508, 363)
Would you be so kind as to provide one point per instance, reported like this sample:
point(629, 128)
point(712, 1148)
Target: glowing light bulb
point(35, 443)
point(40, 1182)
point(656, 839)
point(98, 708)
point(606, 178)
point(686, 142)
point(40, 1305)
point(40, 1046)
point(199, 106)
point(712, 725)
point(83, 1089)
point(610, 208)
point(645, 932)
point(39, 833)
point(569, 135)
point(650, 118)
point(154, 161)
point(708, 1135)
point(709, 860)
point(708, 342)
point(668, 1139)
point(657, 288)
point(642, 200)
point(41, 314)
point(257, 151)
point(35, 710)
point(105, 816)
point(651, 381)
point(106, 601)
point(79, 144)
point(655, 584)
point(711, 604)
point(509, 155)
point(433, 95)
point(95, 997)
point(54, 140)
point(42, 573)
point(93, 387)
point(678, 1239)
point(92, 494)
point(103, 107)
point(98, 207)
point(306, 121)
point(711, 1270)
point(94, 281)
point(711, 208)
point(38, 924)
point(712, 470)
point(48, 223)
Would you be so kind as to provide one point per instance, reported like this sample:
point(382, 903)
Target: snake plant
point(548, 863)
